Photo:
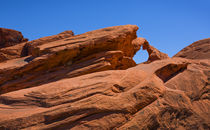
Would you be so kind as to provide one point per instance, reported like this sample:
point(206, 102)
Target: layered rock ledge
point(99, 50)
point(147, 96)
point(57, 85)
point(21, 49)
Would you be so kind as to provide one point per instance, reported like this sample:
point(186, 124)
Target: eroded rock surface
point(22, 49)
point(11, 43)
point(197, 50)
point(168, 93)
point(27, 49)
point(136, 98)
point(154, 54)
point(9, 37)
point(177, 108)
point(99, 50)
point(11, 52)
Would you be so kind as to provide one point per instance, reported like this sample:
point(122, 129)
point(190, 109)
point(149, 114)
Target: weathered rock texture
point(154, 54)
point(9, 37)
point(197, 50)
point(11, 52)
point(136, 98)
point(104, 49)
point(170, 93)
point(21, 49)
point(27, 49)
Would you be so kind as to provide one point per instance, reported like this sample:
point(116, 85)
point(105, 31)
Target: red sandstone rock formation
point(21, 49)
point(11, 52)
point(9, 37)
point(104, 49)
point(142, 97)
point(45, 40)
point(197, 50)
point(154, 54)
point(170, 93)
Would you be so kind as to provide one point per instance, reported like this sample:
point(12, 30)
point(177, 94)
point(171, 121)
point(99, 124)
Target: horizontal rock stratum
point(90, 81)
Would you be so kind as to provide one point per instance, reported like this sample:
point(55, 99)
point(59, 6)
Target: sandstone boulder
point(197, 50)
point(11, 52)
point(9, 37)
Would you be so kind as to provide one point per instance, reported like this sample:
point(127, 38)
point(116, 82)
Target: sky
point(168, 25)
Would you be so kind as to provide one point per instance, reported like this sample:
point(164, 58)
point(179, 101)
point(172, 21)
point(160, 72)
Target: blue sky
point(169, 25)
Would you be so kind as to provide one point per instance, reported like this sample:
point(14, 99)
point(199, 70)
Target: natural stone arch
point(154, 54)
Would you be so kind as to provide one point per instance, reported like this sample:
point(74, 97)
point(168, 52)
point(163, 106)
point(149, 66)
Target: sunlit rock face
point(90, 81)
point(22, 48)
point(154, 54)
point(197, 50)
point(61, 56)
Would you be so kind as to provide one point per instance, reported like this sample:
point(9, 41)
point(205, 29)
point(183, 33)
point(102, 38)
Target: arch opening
point(141, 56)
